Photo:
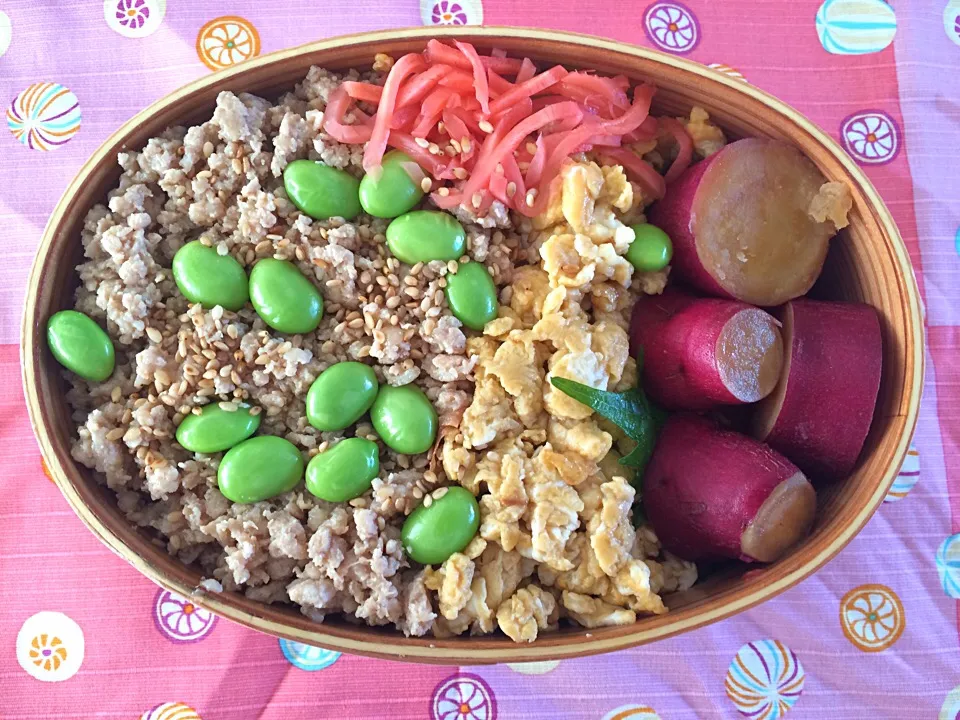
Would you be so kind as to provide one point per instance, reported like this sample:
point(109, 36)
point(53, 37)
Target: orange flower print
point(50, 647)
point(872, 617)
point(47, 651)
point(227, 40)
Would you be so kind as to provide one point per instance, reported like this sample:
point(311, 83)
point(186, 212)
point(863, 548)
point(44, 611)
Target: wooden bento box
point(868, 262)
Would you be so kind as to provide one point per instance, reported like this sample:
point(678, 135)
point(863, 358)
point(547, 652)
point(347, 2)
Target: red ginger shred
point(649, 179)
point(479, 75)
point(528, 89)
point(682, 161)
point(461, 118)
point(377, 144)
point(337, 107)
point(418, 87)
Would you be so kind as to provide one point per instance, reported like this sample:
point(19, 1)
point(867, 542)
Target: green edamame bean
point(204, 276)
point(340, 395)
point(651, 250)
point(472, 296)
point(215, 429)
point(259, 468)
point(405, 419)
point(284, 298)
point(345, 471)
point(425, 235)
point(395, 191)
point(322, 191)
point(432, 534)
point(80, 345)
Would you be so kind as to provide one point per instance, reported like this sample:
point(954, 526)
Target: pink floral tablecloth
point(872, 635)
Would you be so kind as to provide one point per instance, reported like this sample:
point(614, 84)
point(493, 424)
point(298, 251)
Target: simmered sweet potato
point(821, 410)
point(744, 222)
point(712, 493)
point(699, 353)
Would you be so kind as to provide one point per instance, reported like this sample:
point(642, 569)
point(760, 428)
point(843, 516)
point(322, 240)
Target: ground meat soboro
point(556, 538)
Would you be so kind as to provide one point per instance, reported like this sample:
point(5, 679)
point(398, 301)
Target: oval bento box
point(868, 262)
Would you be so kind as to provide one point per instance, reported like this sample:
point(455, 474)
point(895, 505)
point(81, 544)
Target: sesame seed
point(466, 144)
point(531, 148)
point(427, 501)
point(443, 192)
point(531, 197)
point(154, 334)
point(498, 169)
point(116, 394)
point(426, 184)
point(485, 126)
point(434, 149)
point(441, 128)
point(511, 189)
point(115, 434)
point(460, 173)
point(422, 142)
point(439, 493)
point(456, 146)
point(478, 198)
point(228, 406)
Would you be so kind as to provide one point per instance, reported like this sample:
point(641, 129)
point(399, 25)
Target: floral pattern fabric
point(873, 634)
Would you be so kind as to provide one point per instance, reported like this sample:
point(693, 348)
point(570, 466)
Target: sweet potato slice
point(712, 494)
point(699, 353)
point(820, 412)
point(743, 223)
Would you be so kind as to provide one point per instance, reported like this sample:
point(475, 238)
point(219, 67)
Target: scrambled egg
point(533, 453)
point(707, 137)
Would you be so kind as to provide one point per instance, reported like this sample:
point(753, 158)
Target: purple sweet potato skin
point(672, 215)
point(679, 335)
point(836, 360)
point(704, 485)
